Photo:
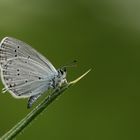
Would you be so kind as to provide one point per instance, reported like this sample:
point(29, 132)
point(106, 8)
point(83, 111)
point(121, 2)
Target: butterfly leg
point(32, 99)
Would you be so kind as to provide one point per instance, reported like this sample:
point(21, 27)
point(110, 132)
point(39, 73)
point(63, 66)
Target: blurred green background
point(102, 35)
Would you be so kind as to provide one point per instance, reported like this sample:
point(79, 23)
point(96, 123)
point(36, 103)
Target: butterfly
point(26, 73)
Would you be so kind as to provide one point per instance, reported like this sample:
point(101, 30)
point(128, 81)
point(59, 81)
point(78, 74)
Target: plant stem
point(37, 110)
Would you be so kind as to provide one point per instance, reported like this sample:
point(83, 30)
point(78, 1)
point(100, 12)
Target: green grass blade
point(37, 110)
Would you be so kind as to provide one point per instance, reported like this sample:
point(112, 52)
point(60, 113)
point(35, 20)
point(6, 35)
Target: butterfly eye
point(61, 72)
point(64, 69)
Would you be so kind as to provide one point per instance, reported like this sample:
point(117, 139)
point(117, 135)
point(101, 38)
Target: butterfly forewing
point(11, 48)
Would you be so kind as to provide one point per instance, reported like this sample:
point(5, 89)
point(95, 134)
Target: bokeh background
point(102, 35)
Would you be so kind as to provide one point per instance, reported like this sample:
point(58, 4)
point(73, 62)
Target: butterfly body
point(26, 73)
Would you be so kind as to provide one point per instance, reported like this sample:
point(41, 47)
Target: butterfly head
point(61, 77)
point(62, 73)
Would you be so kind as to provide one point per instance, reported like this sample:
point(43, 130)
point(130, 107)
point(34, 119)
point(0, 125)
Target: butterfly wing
point(11, 48)
point(25, 77)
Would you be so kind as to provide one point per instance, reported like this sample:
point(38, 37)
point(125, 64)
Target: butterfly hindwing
point(25, 77)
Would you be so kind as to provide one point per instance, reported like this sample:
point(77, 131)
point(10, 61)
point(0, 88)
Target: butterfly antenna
point(72, 64)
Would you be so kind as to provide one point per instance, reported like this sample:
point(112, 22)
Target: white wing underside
point(11, 48)
point(24, 71)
